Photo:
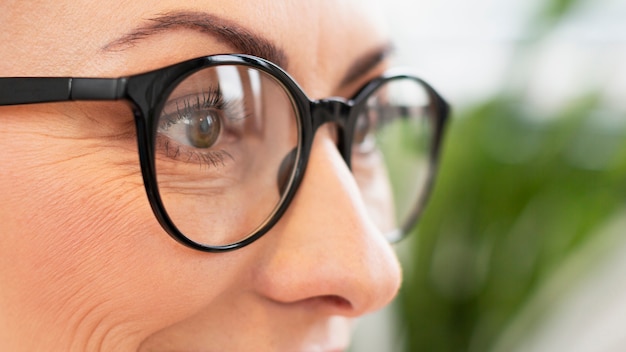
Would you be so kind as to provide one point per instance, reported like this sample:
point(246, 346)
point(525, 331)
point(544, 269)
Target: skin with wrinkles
point(84, 265)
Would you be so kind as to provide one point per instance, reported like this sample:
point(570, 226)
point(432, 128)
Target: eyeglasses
point(224, 142)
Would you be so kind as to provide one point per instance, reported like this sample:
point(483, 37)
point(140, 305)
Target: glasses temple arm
point(33, 90)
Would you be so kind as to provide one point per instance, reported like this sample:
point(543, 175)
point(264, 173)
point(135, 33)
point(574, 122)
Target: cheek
point(62, 193)
point(90, 253)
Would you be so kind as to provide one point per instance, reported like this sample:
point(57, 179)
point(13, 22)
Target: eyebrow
point(237, 36)
point(224, 30)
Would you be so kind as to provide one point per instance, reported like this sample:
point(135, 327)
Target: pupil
point(204, 129)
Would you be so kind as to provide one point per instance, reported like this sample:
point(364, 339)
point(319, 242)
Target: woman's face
point(85, 266)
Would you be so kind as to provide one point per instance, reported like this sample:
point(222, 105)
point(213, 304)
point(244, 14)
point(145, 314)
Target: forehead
point(67, 37)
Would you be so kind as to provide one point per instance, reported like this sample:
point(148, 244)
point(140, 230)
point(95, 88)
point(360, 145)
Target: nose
point(325, 249)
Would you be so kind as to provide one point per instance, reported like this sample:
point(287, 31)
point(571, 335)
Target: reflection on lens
point(391, 152)
point(223, 137)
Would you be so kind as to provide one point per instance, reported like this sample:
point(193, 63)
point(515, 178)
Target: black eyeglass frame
point(147, 92)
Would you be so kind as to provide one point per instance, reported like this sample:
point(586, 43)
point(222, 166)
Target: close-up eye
point(201, 125)
point(196, 120)
point(196, 125)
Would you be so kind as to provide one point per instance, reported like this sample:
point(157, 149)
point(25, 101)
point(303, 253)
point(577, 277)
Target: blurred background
point(523, 245)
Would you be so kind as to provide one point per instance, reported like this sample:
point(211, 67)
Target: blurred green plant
point(518, 191)
point(516, 194)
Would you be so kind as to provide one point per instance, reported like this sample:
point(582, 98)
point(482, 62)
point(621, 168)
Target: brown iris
point(204, 128)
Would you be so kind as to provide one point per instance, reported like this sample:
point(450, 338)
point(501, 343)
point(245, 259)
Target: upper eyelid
point(186, 101)
point(175, 113)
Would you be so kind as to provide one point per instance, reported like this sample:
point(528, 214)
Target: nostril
point(329, 303)
point(336, 301)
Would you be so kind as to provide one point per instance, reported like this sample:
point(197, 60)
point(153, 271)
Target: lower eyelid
point(214, 159)
point(176, 152)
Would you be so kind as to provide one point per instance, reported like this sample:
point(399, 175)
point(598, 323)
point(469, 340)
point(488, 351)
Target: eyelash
point(212, 99)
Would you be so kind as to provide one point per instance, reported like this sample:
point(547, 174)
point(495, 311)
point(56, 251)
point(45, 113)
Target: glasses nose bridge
point(334, 110)
point(330, 110)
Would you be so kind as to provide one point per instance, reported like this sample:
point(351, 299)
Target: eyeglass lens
point(229, 136)
point(391, 152)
